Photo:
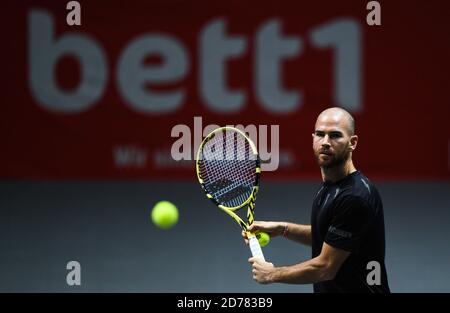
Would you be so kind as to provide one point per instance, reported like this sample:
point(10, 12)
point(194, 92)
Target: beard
point(334, 160)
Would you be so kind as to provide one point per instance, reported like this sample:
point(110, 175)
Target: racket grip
point(255, 248)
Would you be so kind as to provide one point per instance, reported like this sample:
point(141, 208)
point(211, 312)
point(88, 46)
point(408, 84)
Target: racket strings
point(228, 168)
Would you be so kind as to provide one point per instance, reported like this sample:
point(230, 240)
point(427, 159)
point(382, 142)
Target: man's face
point(332, 144)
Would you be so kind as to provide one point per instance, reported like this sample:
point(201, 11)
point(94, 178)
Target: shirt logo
point(340, 232)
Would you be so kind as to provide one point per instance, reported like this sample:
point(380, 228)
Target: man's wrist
point(273, 275)
point(276, 275)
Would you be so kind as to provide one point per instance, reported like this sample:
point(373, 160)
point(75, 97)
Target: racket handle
point(255, 248)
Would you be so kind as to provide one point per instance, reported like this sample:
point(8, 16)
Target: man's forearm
point(308, 272)
point(299, 233)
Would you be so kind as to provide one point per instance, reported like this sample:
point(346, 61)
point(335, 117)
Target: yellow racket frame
point(250, 202)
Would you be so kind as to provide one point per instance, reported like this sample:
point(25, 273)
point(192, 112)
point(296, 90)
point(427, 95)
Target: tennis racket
point(228, 169)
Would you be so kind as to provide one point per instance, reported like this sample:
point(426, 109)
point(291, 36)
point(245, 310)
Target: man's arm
point(298, 232)
point(321, 268)
point(295, 232)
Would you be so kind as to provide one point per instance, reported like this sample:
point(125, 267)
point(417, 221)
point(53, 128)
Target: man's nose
point(326, 141)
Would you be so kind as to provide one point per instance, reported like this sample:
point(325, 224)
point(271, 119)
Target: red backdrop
point(393, 78)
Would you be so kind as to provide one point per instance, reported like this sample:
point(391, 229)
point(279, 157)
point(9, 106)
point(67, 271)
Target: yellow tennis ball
point(164, 214)
point(263, 238)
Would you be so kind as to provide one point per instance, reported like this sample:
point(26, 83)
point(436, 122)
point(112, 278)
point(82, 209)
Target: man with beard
point(347, 224)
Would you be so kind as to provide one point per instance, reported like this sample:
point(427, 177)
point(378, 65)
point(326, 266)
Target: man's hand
point(262, 271)
point(273, 229)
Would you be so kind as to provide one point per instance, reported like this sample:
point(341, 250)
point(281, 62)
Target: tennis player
point(346, 234)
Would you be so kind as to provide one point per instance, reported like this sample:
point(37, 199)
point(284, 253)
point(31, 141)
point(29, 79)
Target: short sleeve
point(350, 221)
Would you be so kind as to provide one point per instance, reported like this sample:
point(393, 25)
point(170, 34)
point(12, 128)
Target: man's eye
point(335, 135)
point(319, 134)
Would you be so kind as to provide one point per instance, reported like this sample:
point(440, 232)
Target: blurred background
point(90, 113)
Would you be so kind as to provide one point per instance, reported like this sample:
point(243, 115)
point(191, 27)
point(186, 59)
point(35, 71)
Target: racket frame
point(249, 203)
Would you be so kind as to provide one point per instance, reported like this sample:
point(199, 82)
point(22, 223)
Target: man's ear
point(353, 142)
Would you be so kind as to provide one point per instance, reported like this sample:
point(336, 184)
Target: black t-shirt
point(348, 215)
